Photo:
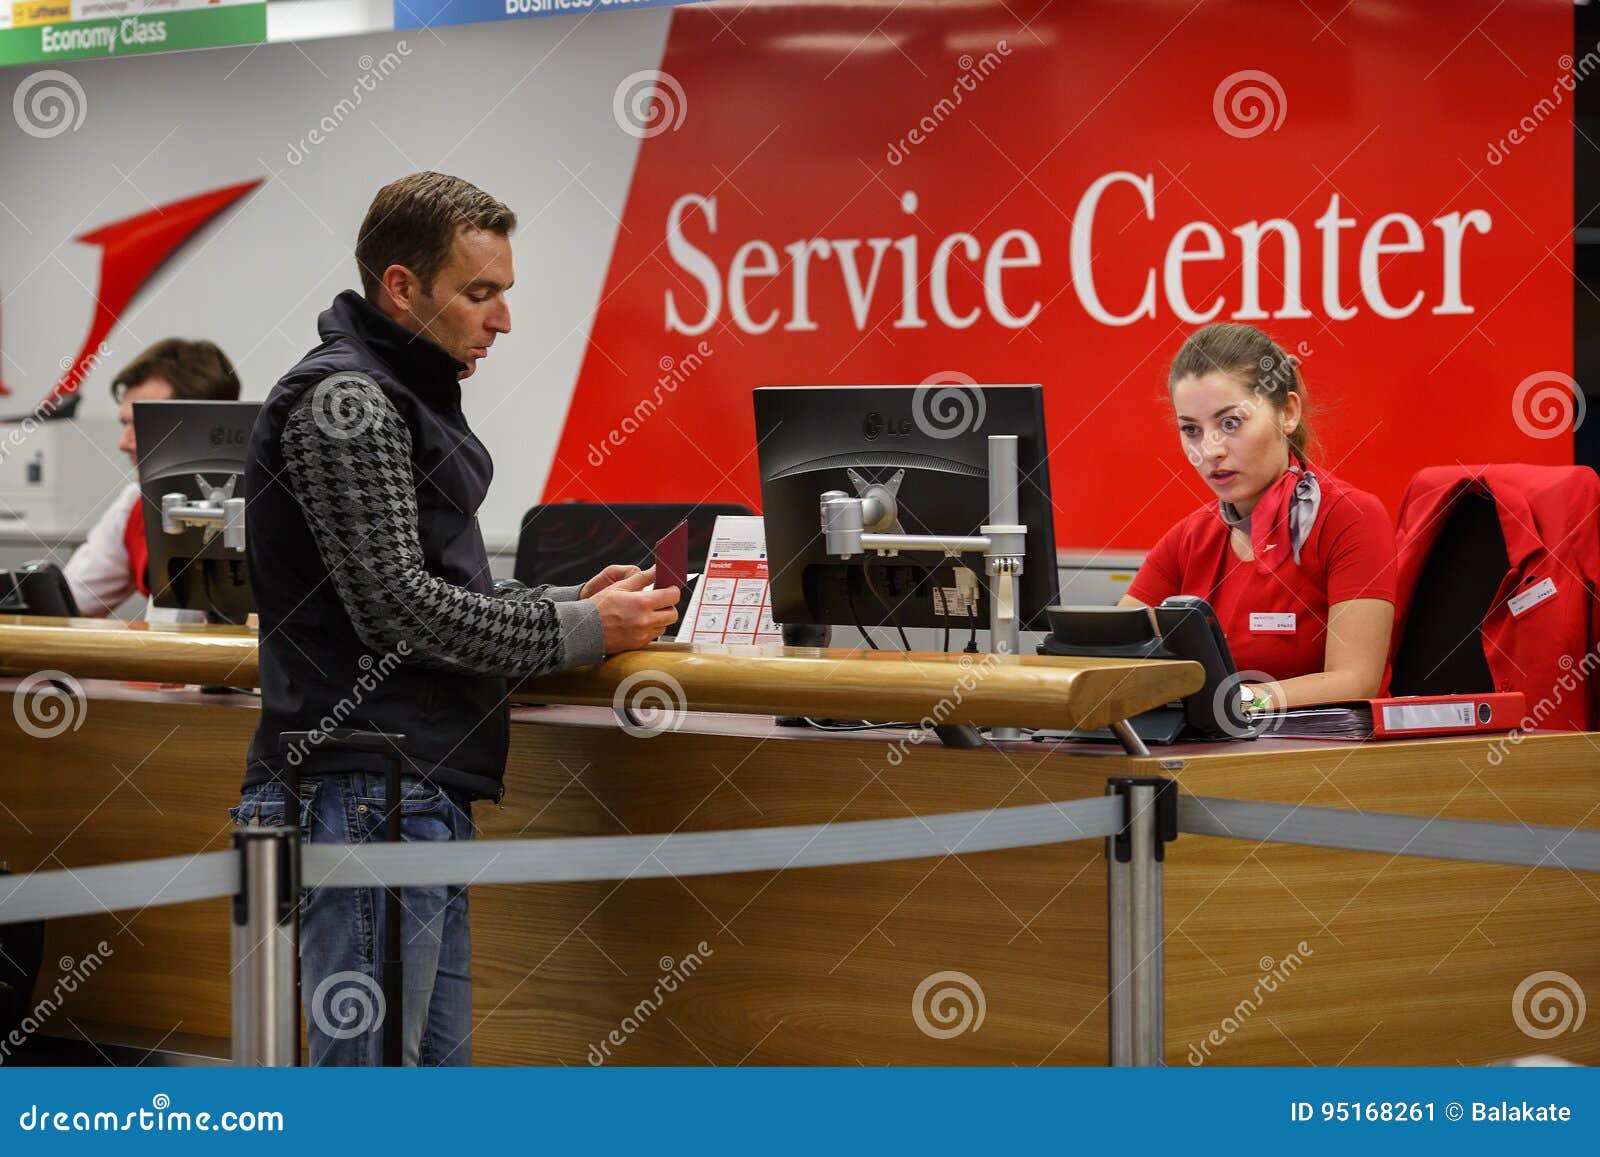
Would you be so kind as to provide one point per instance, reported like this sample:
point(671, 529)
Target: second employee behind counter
point(376, 602)
point(112, 562)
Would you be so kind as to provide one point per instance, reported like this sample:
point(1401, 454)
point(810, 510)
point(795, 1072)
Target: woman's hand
point(1354, 657)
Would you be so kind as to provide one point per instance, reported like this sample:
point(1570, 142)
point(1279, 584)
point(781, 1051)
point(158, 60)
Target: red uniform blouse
point(1273, 610)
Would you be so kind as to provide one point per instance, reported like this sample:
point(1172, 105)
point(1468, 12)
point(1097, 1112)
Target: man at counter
point(377, 607)
point(110, 565)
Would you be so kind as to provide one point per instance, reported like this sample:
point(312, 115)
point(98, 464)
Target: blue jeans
point(342, 929)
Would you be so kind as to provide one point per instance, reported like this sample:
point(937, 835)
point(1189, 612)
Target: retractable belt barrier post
point(389, 746)
point(1136, 979)
point(266, 947)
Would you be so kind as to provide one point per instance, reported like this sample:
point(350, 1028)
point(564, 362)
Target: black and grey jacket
point(369, 570)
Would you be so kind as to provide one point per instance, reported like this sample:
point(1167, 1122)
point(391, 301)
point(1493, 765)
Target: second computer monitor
point(191, 448)
point(812, 439)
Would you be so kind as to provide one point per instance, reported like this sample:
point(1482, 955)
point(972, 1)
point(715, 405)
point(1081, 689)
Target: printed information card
point(731, 603)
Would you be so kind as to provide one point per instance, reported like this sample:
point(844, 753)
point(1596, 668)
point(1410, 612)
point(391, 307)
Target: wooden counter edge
point(1015, 691)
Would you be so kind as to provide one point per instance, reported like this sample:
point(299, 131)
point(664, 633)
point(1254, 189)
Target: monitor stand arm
point(218, 511)
point(855, 525)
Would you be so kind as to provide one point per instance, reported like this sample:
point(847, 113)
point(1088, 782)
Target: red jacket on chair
point(1542, 629)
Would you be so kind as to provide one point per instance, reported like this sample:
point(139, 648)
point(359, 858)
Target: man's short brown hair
point(413, 222)
point(194, 369)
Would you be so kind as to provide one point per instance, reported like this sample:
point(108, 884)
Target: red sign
point(1060, 193)
point(131, 250)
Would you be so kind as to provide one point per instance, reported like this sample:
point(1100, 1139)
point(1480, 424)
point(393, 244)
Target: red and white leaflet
point(731, 603)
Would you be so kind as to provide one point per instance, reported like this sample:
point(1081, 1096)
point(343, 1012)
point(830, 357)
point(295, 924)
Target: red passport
point(672, 558)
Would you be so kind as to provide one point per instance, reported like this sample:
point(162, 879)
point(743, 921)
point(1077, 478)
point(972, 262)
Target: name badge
point(1526, 600)
point(1272, 623)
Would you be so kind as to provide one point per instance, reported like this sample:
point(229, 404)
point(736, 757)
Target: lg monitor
point(928, 445)
point(191, 464)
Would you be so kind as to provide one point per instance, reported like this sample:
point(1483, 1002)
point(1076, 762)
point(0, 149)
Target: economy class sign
point(58, 30)
point(1061, 194)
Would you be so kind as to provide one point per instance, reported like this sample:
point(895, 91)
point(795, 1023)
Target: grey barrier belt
point(180, 879)
point(1434, 839)
point(81, 891)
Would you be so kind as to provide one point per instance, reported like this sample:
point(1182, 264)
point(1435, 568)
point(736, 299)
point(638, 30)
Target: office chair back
point(1441, 645)
point(567, 543)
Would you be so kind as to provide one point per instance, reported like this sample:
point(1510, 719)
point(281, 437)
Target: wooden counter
point(1397, 960)
point(1016, 691)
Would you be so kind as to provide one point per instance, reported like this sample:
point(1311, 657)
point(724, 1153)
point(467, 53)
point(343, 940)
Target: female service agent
point(1299, 566)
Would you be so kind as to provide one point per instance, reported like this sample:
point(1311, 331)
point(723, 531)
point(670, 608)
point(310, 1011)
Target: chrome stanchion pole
point(266, 948)
point(1003, 559)
point(1136, 1017)
point(1119, 951)
point(1144, 889)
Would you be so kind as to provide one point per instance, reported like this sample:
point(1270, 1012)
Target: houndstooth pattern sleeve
point(354, 484)
point(543, 591)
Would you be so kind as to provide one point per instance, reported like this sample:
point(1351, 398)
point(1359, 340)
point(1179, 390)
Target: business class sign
point(1061, 193)
point(436, 13)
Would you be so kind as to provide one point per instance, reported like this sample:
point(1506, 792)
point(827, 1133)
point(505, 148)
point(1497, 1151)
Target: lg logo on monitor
point(875, 426)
